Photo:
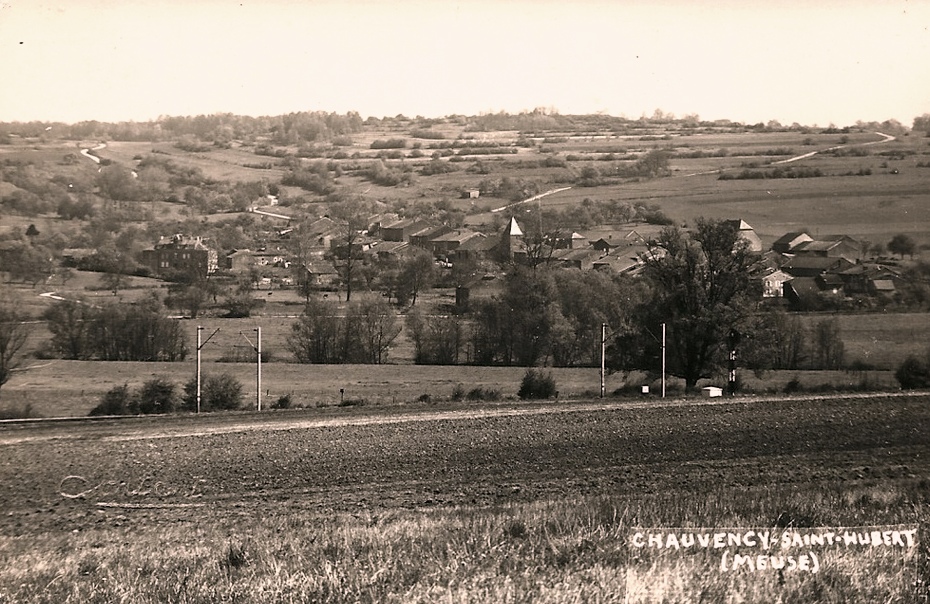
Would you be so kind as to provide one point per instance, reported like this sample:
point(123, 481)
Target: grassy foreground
point(574, 549)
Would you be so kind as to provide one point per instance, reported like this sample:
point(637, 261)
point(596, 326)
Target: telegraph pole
point(663, 360)
point(603, 354)
point(258, 369)
point(257, 347)
point(199, 348)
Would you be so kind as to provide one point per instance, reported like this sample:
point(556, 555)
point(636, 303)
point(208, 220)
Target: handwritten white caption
point(787, 550)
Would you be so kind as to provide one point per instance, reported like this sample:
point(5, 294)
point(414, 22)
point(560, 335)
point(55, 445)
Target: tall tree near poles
point(703, 288)
point(353, 214)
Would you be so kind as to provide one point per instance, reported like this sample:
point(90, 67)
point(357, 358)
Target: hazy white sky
point(790, 60)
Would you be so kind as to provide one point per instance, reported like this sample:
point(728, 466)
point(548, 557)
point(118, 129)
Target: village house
point(567, 239)
point(773, 283)
point(180, 254)
point(319, 274)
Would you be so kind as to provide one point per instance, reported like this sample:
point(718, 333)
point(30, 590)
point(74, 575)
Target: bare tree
point(352, 214)
point(13, 334)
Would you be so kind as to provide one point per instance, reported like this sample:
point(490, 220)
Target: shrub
point(483, 394)
point(392, 143)
point(913, 373)
point(116, 401)
point(793, 385)
point(458, 393)
point(157, 396)
point(283, 402)
point(217, 393)
point(24, 411)
point(536, 385)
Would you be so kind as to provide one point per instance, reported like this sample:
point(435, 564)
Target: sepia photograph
point(474, 301)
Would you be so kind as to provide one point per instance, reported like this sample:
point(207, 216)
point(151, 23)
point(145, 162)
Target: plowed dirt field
point(65, 476)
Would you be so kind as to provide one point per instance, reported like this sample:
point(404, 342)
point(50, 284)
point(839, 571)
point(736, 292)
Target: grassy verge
point(572, 549)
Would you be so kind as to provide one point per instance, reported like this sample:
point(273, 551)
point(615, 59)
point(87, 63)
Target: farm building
point(239, 261)
point(812, 266)
point(449, 242)
point(833, 246)
point(787, 243)
point(402, 230)
point(582, 259)
point(426, 234)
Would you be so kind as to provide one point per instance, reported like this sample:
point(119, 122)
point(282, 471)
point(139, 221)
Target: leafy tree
point(514, 328)
point(189, 298)
point(902, 244)
point(13, 334)
point(116, 182)
point(27, 263)
point(240, 305)
point(587, 300)
point(701, 288)
point(417, 272)
point(922, 124)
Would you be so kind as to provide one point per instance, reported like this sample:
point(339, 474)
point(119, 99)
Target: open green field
point(468, 503)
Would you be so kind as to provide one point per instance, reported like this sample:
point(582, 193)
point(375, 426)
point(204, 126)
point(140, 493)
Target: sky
point(814, 63)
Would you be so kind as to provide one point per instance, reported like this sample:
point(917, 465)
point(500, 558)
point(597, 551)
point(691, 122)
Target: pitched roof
point(461, 235)
point(513, 229)
point(741, 225)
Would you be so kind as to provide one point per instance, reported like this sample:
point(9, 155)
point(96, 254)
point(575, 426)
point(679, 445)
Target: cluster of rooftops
point(798, 265)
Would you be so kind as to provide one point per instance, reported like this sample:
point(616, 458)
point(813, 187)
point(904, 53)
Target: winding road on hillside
point(87, 153)
point(887, 138)
point(530, 200)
